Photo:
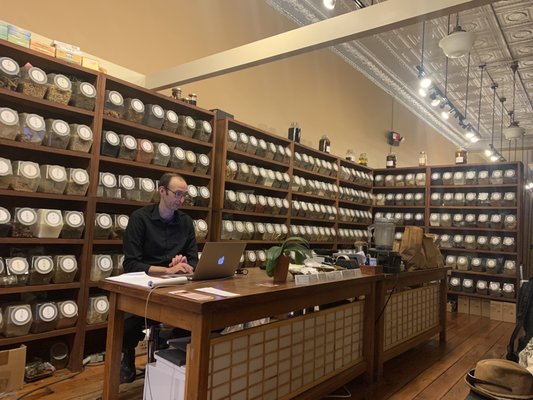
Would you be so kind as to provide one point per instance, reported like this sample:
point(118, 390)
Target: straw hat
point(500, 380)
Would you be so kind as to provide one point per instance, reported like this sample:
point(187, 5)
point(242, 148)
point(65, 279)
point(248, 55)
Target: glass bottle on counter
point(9, 122)
point(83, 95)
point(295, 132)
point(59, 89)
point(65, 269)
point(461, 156)
point(391, 160)
point(78, 182)
point(422, 159)
point(9, 73)
point(17, 320)
point(324, 144)
point(73, 226)
point(32, 82)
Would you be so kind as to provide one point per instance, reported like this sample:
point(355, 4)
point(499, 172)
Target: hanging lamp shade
point(458, 43)
point(513, 131)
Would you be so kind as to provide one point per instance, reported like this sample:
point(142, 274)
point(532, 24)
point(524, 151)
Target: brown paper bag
point(411, 248)
point(432, 253)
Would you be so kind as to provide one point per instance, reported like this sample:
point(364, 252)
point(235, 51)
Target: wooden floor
point(431, 371)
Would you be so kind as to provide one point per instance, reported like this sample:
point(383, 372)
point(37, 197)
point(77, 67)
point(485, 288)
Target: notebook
point(219, 260)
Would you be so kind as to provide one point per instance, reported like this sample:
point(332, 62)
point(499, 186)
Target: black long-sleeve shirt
point(149, 240)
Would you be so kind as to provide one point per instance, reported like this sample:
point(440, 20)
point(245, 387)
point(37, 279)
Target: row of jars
point(314, 233)
point(33, 81)
point(497, 199)
point(243, 201)
point(356, 176)
point(315, 164)
point(479, 264)
point(257, 175)
point(253, 258)
point(259, 147)
point(314, 187)
point(34, 129)
point(402, 218)
point(154, 116)
point(478, 242)
point(482, 287)
point(400, 199)
point(400, 180)
point(355, 196)
point(37, 317)
point(143, 150)
point(313, 210)
point(494, 221)
point(473, 177)
point(247, 230)
point(28, 176)
point(37, 270)
point(359, 216)
point(110, 226)
point(26, 222)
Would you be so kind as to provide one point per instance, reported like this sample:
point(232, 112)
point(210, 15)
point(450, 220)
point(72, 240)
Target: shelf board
point(398, 170)
point(399, 207)
point(143, 131)
point(398, 188)
point(95, 327)
point(254, 214)
point(483, 274)
point(301, 148)
point(468, 228)
point(238, 155)
point(43, 149)
point(313, 175)
point(322, 199)
point(265, 242)
point(354, 184)
point(353, 223)
point(454, 249)
point(483, 296)
point(315, 243)
point(110, 242)
point(351, 203)
point(472, 207)
point(35, 195)
point(36, 336)
point(12, 240)
point(332, 221)
point(132, 203)
point(255, 186)
point(489, 186)
point(40, 288)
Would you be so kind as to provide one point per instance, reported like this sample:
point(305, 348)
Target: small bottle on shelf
point(324, 144)
point(350, 155)
point(193, 98)
point(176, 93)
point(391, 160)
point(295, 132)
point(422, 159)
point(461, 156)
point(363, 159)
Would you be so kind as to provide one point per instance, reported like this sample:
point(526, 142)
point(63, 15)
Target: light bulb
point(422, 92)
point(329, 4)
point(445, 114)
point(494, 158)
point(474, 139)
point(488, 152)
point(469, 134)
point(425, 83)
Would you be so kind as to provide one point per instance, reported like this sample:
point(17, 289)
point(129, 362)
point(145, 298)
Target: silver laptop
point(219, 260)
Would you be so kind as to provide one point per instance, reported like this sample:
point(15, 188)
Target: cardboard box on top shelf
point(12, 363)
point(496, 310)
point(485, 308)
point(19, 41)
point(475, 306)
point(66, 46)
point(90, 63)
point(509, 312)
point(19, 32)
point(68, 56)
point(463, 304)
point(3, 30)
point(42, 44)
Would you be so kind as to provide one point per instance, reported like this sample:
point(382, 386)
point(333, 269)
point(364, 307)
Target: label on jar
point(467, 282)
point(470, 239)
point(37, 75)
point(261, 200)
point(60, 127)
point(470, 217)
point(252, 199)
point(179, 153)
point(101, 305)
point(458, 238)
point(496, 218)
point(122, 221)
point(470, 175)
point(483, 218)
point(129, 142)
point(239, 226)
point(190, 156)
point(278, 202)
point(494, 241)
point(288, 152)
point(158, 111)
point(163, 149)
point(18, 265)
point(458, 217)
point(116, 98)
point(84, 132)
point(48, 312)
point(109, 180)
point(483, 174)
point(228, 226)
point(4, 167)
point(137, 105)
point(26, 216)
point(192, 191)
point(248, 226)
point(53, 217)
point(243, 137)
point(508, 241)
point(147, 185)
point(497, 174)
point(57, 173)
point(269, 228)
point(5, 216)
point(252, 257)
point(29, 170)
point(476, 262)
point(171, 116)
point(482, 240)
point(510, 218)
point(87, 89)
point(189, 121)
point(390, 163)
point(510, 264)
point(8, 116)
point(510, 173)
point(242, 197)
point(104, 221)
point(230, 194)
point(204, 160)
point(147, 146)
point(80, 177)
point(68, 264)
point(35, 122)
point(74, 219)
point(62, 82)
point(20, 315)
point(260, 227)
point(445, 238)
point(459, 159)
point(232, 136)
point(104, 263)
point(69, 309)
point(481, 285)
point(496, 196)
point(9, 66)
point(419, 196)
point(491, 263)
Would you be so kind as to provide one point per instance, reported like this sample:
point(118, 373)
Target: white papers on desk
point(217, 292)
point(144, 280)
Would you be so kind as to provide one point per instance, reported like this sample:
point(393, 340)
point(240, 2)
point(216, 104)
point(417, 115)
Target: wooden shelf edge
point(44, 149)
point(11, 240)
point(40, 288)
point(38, 195)
point(483, 296)
point(95, 327)
point(36, 336)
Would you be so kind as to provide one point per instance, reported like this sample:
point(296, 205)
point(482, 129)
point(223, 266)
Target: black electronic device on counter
point(391, 260)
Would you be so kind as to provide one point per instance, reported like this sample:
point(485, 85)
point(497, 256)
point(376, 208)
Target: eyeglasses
point(178, 194)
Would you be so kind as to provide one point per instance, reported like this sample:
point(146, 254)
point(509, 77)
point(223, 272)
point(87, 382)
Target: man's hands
point(179, 265)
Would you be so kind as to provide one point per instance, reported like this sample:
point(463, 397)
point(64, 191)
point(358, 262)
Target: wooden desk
point(254, 302)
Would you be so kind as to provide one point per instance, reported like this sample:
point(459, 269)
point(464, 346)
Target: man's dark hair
point(166, 177)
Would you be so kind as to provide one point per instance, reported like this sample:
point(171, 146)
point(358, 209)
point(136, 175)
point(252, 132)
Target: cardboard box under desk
point(12, 363)
point(463, 304)
point(475, 306)
point(509, 312)
point(496, 310)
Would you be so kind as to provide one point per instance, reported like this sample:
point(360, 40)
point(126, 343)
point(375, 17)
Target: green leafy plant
point(295, 244)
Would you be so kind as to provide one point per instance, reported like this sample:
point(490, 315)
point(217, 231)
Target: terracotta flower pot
point(282, 269)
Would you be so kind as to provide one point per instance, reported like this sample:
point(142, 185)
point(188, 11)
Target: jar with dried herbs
point(191, 196)
point(269, 232)
point(202, 164)
point(32, 128)
point(133, 110)
point(101, 267)
point(107, 186)
point(103, 225)
point(17, 320)
point(203, 131)
point(231, 169)
point(510, 222)
point(128, 147)
point(59, 89)
point(33, 81)
point(49, 223)
point(114, 104)
point(154, 116)
point(24, 221)
point(118, 264)
point(204, 197)
point(190, 161)
point(98, 309)
point(250, 259)
point(9, 123)
point(508, 244)
point(509, 267)
point(259, 231)
point(232, 139)
point(470, 220)
point(6, 173)
point(200, 229)
point(477, 264)
point(66, 267)
point(145, 151)
point(230, 200)
point(26, 176)
point(5, 222)
point(18, 267)
point(57, 134)
point(110, 144)
point(53, 179)
point(161, 154)
point(242, 201)
point(120, 223)
point(44, 317)
point(68, 314)
point(73, 226)
point(6, 279)
point(186, 125)
point(81, 138)
point(77, 182)
point(9, 73)
point(509, 176)
point(227, 230)
point(146, 188)
point(170, 124)
point(83, 95)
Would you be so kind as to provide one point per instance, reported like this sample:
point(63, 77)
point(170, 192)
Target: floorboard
point(429, 372)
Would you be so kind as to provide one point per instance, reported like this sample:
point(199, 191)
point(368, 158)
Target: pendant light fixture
point(476, 136)
point(513, 131)
point(490, 151)
point(425, 81)
point(458, 43)
point(329, 4)
point(463, 122)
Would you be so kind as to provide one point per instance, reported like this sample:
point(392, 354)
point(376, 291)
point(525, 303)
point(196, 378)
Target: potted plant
point(278, 257)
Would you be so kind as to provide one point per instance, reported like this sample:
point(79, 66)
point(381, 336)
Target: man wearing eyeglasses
point(159, 240)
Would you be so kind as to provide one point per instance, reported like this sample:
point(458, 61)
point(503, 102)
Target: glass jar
point(32, 81)
point(248, 230)
point(459, 178)
point(231, 169)
point(191, 196)
point(67, 314)
point(477, 264)
point(44, 317)
point(81, 138)
point(170, 123)
point(32, 128)
point(59, 89)
point(470, 220)
point(200, 229)
point(190, 161)
point(133, 110)
point(252, 203)
point(242, 201)
point(120, 223)
point(435, 199)
point(154, 116)
point(49, 224)
point(459, 199)
point(497, 177)
point(269, 232)
point(436, 179)
point(324, 144)
point(83, 95)
point(458, 220)
point(19, 268)
point(145, 151)
point(5, 222)
point(458, 241)
point(103, 226)
point(242, 142)
point(509, 268)
point(57, 134)
point(399, 180)
point(98, 308)
point(77, 182)
point(101, 267)
point(9, 73)
point(202, 164)
point(232, 139)
point(420, 179)
point(186, 126)
point(110, 144)
point(461, 156)
point(65, 268)
point(161, 154)
point(9, 121)
point(17, 320)
point(26, 176)
point(508, 244)
point(419, 199)
point(146, 188)
point(128, 147)
point(483, 178)
point(468, 285)
point(510, 222)
point(470, 242)
point(434, 219)
point(496, 221)
point(59, 355)
point(446, 220)
point(177, 160)
point(227, 230)
point(259, 231)
point(250, 259)
point(118, 264)
point(447, 178)
point(107, 186)
point(230, 200)
point(495, 243)
point(73, 225)
point(445, 241)
point(203, 131)
point(470, 178)
point(114, 104)
point(238, 232)
point(462, 263)
point(509, 176)
point(509, 199)
point(6, 279)
point(254, 175)
point(391, 160)
point(447, 199)
point(471, 199)
point(24, 222)
point(451, 261)
point(53, 179)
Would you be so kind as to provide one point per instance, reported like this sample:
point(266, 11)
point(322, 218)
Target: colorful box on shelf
point(3, 30)
point(42, 47)
point(18, 40)
point(66, 46)
point(14, 30)
point(90, 63)
point(68, 56)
